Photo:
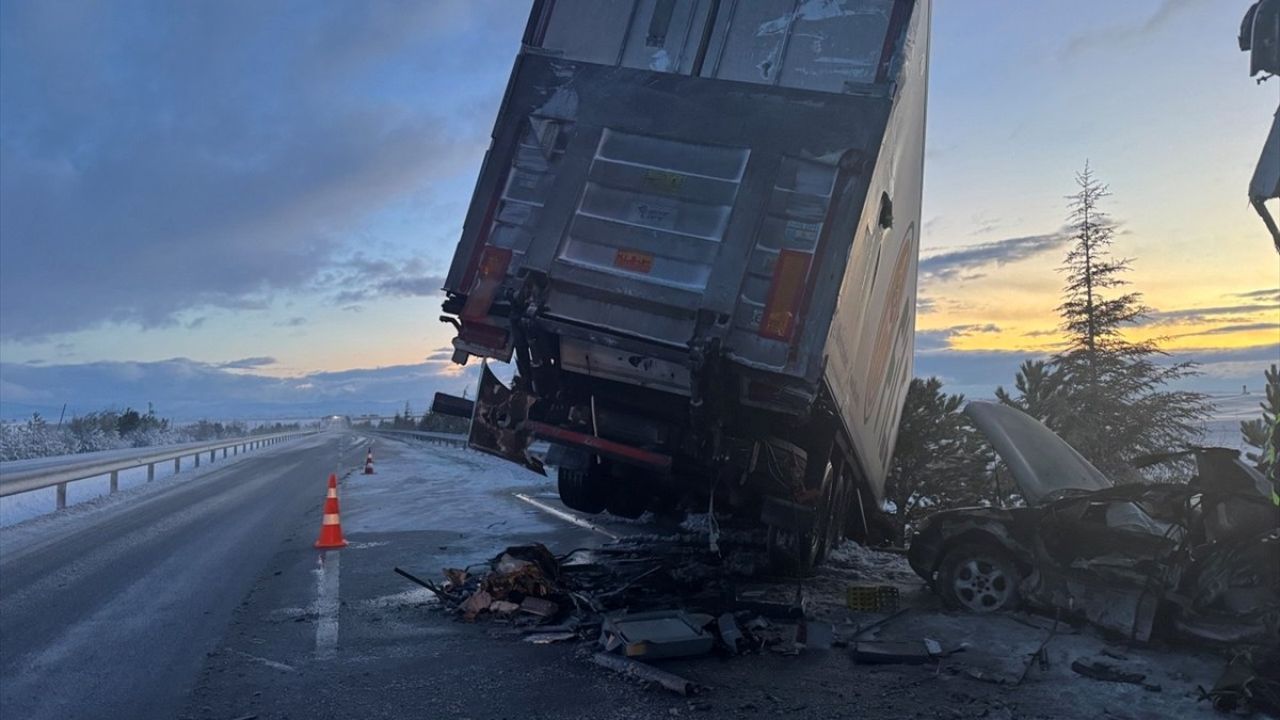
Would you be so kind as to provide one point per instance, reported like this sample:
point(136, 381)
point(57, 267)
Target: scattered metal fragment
point(659, 634)
point(546, 638)
point(638, 670)
point(890, 652)
point(1098, 670)
point(424, 583)
point(538, 606)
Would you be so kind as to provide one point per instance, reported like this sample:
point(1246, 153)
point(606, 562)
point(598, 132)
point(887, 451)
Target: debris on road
point(648, 673)
point(653, 635)
point(872, 598)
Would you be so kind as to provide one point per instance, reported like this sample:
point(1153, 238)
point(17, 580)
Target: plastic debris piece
point(730, 634)
point(872, 598)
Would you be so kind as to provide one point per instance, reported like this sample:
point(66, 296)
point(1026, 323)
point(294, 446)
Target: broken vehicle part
point(1200, 559)
point(647, 673)
point(653, 635)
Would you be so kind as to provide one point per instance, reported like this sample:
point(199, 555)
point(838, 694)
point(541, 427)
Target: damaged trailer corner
point(696, 236)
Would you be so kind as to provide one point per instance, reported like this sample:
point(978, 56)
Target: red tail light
point(489, 276)
point(786, 292)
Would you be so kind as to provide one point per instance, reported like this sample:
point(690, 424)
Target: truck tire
point(793, 552)
point(980, 577)
point(580, 490)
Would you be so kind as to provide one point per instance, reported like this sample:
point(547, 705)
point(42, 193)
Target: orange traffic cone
point(368, 463)
point(331, 527)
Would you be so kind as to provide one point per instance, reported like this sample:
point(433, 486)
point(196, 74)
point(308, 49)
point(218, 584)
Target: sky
point(246, 208)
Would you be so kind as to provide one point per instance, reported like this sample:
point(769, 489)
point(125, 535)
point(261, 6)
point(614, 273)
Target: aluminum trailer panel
point(707, 196)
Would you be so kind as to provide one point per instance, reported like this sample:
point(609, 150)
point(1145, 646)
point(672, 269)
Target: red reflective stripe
point(785, 294)
point(608, 448)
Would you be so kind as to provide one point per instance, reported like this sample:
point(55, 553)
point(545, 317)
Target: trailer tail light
point(490, 273)
point(786, 293)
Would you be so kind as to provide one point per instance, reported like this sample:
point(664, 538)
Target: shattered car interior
point(1199, 559)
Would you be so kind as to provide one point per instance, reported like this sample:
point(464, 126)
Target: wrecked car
point(1201, 558)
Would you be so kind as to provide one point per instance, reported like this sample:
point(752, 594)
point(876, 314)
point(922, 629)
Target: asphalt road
point(205, 600)
point(112, 615)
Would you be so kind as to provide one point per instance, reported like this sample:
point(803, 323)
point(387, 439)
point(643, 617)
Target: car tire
point(980, 577)
point(580, 491)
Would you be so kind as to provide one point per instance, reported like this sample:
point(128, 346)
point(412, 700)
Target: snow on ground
point(421, 486)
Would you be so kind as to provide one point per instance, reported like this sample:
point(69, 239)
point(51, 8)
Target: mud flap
point(496, 424)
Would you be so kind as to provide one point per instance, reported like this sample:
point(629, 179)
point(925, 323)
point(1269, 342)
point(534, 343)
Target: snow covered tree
point(1115, 402)
point(940, 460)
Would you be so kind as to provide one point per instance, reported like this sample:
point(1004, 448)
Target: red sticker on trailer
point(633, 261)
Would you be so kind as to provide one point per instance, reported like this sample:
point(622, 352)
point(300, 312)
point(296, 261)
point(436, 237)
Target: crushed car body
point(1199, 559)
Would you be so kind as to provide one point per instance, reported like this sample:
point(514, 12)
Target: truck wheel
point(798, 553)
point(580, 490)
point(979, 577)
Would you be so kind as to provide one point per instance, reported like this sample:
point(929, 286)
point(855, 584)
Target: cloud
point(1229, 329)
point(246, 363)
point(1115, 35)
point(1262, 294)
point(188, 389)
point(1195, 315)
point(363, 279)
point(940, 339)
point(162, 158)
point(296, 321)
point(962, 262)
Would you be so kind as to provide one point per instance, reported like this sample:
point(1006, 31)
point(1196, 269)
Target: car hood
point(1042, 463)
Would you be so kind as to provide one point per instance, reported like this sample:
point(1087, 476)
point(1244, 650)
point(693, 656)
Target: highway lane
point(111, 615)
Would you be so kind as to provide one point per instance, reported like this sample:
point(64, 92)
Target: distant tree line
point(1107, 396)
point(115, 429)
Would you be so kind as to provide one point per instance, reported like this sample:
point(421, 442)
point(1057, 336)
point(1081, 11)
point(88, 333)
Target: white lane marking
point(567, 516)
point(265, 661)
point(327, 570)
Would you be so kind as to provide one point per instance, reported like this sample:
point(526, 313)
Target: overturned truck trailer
point(696, 232)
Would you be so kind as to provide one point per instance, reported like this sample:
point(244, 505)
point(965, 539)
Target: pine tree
point(1114, 401)
point(1039, 386)
point(940, 460)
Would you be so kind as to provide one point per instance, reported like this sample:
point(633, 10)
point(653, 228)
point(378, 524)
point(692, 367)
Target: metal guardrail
point(20, 481)
point(451, 439)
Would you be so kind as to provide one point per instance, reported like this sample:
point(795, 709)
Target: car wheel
point(579, 490)
point(979, 577)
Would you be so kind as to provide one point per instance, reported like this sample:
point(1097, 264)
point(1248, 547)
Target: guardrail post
point(197, 457)
point(62, 496)
point(213, 455)
point(115, 480)
point(151, 472)
point(177, 465)
point(224, 453)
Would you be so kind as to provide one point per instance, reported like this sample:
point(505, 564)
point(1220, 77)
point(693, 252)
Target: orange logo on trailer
point(633, 261)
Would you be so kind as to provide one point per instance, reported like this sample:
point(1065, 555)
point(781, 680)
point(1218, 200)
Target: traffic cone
point(331, 527)
point(368, 463)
